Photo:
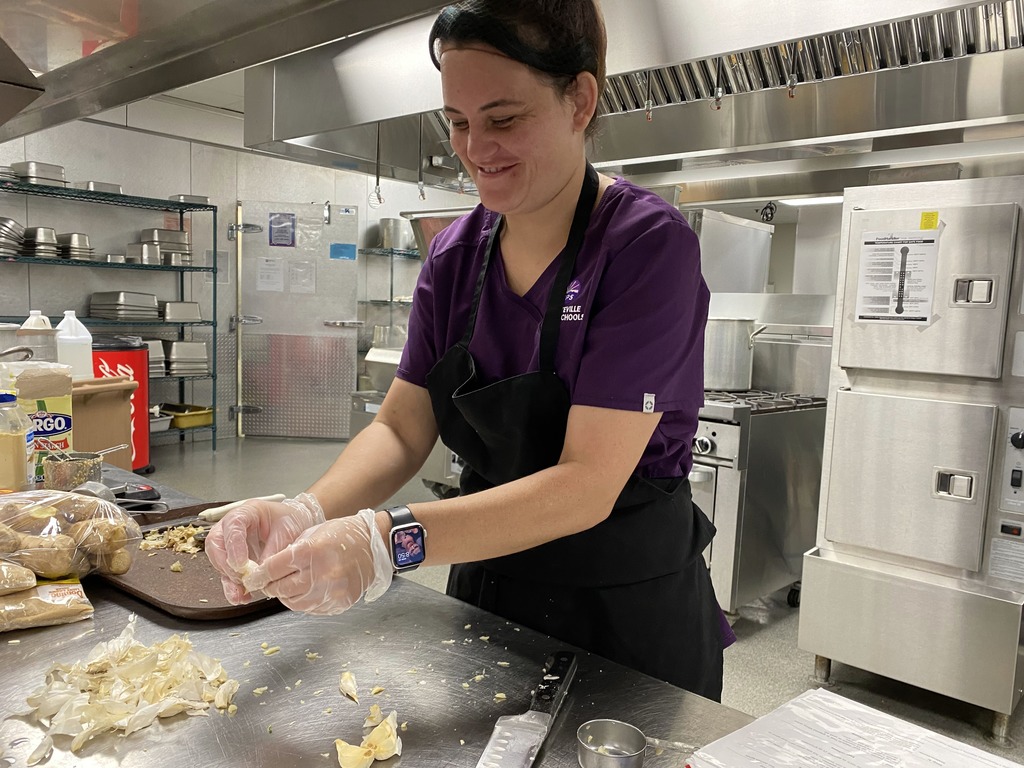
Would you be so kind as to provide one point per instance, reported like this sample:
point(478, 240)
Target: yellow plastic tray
point(185, 416)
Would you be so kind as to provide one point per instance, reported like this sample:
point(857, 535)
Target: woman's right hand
point(253, 532)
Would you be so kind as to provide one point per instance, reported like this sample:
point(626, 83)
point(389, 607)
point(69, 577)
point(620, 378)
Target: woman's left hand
point(330, 566)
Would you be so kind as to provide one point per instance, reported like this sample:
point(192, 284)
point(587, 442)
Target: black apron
point(633, 588)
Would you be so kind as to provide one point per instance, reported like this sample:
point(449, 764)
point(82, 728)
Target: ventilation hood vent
point(784, 87)
point(18, 86)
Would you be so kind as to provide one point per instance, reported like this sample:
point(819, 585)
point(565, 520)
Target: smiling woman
point(556, 345)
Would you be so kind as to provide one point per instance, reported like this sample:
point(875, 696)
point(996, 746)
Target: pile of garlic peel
point(124, 685)
point(383, 742)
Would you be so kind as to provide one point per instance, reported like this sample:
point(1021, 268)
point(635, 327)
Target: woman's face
point(519, 139)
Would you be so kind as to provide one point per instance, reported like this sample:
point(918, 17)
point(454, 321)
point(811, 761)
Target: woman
point(556, 344)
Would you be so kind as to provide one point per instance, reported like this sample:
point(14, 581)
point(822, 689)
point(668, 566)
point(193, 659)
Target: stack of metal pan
point(12, 234)
point(186, 358)
point(157, 369)
point(124, 305)
point(75, 245)
point(40, 242)
point(7, 173)
point(46, 174)
point(175, 245)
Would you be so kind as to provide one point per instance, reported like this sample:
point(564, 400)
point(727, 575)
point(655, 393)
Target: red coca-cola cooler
point(128, 356)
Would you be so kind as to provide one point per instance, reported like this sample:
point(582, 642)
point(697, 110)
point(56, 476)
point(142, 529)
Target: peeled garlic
point(351, 756)
point(347, 686)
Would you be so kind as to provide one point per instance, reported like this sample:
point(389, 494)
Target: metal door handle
point(236, 320)
point(700, 475)
point(343, 323)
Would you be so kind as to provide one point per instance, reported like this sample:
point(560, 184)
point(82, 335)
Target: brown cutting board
point(195, 592)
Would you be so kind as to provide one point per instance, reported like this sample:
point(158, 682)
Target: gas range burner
point(762, 401)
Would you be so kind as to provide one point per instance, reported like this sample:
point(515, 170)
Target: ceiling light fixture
point(824, 200)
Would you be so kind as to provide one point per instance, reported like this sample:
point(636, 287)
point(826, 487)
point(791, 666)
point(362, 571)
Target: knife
point(516, 739)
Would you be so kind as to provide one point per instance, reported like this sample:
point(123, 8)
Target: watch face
point(407, 545)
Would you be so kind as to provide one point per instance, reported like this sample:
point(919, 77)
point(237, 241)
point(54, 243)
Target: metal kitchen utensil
point(26, 351)
point(98, 186)
point(33, 168)
point(120, 447)
point(165, 236)
point(516, 739)
point(63, 474)
point(615, 744)
point(53, 448)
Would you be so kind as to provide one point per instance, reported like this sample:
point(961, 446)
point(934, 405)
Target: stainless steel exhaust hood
point(855, 72)
point(18, 86)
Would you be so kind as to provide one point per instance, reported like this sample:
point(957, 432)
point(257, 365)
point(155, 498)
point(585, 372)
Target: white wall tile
point(281, 181)
point(143, 164)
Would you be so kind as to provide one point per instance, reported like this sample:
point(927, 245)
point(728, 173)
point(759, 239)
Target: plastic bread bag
point(45, 604)
point(56, 534)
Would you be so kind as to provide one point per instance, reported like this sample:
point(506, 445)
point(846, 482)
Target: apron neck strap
point(567, 259)
point(556, 299)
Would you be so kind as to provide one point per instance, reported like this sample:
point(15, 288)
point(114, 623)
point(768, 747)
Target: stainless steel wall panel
point(303, 384)
point(882, 492)
point(1013, 21)
point(961, 339)
point(911, 627)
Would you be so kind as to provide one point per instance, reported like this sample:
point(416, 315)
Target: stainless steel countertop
point(396, 643)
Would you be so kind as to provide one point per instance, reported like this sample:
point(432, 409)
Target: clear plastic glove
point(330, 567)
point(253, 532)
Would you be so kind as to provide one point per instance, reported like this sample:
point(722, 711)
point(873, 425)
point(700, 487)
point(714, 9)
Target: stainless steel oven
point(918, 572)
point(756, 474)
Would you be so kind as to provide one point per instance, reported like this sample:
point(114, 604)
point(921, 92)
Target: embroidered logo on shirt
point(573, 312)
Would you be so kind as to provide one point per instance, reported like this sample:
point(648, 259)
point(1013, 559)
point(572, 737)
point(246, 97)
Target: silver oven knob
point(703, 445)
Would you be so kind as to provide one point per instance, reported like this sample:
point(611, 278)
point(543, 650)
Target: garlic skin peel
point(125, 686)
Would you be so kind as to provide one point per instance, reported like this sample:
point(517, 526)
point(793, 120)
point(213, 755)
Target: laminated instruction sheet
point(820, 729)
point(896, 280)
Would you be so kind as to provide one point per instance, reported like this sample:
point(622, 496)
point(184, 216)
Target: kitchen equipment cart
point(178, 328)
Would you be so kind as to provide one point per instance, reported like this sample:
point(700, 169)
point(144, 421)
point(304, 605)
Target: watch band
point(400, 515)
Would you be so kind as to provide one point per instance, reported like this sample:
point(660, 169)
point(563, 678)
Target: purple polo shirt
point(632, 325)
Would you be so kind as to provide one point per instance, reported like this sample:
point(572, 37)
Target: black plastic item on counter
point(116, 341)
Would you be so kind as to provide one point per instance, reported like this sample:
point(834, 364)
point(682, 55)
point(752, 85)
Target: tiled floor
point(762, 670)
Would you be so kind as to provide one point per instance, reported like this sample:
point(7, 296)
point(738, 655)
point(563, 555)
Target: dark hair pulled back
point(558, 38)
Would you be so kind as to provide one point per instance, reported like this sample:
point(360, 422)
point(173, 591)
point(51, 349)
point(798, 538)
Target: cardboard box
point(102, 409)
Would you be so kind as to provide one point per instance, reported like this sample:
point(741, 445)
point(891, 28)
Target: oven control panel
point(1012, 477)
point(715, 439)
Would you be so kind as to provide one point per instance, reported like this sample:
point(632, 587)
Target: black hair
point(558, 38)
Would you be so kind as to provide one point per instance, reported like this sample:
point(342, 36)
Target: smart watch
point(407, 540)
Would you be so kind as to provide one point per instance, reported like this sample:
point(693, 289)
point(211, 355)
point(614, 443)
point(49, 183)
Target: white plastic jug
point(74, 346)
point(36, 321)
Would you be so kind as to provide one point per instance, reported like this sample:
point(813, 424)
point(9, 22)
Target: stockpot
point(729, 353)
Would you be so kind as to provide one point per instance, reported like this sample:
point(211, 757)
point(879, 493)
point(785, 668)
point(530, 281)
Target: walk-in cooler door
point(927, 290)
point(911, 477)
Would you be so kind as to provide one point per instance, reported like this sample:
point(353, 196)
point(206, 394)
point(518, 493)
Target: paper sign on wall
point(270, 274)
point(896, 283)
point(282, 230)
point(343, 251)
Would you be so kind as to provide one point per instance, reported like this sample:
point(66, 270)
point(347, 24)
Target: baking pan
point(186, 311)
point(36, 169)
point(165, 236)
point(124, 299)
point(198, 199)
point(99, 186)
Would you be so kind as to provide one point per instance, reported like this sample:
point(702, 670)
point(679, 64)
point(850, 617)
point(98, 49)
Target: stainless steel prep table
point(398, 643)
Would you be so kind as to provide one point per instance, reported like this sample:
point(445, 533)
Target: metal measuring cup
point(615, 744)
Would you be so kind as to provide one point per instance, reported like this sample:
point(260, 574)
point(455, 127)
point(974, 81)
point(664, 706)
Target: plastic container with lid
point(16, 446)
point(36, 321)
point(74, 346)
